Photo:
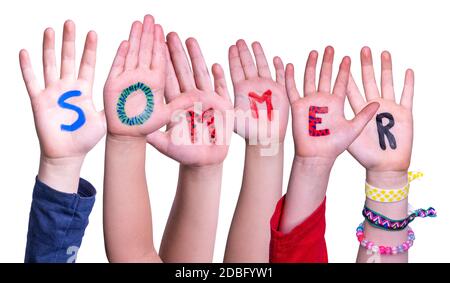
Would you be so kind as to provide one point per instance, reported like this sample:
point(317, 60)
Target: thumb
point(159, 140)
point(363, 117)
point(102, 117)
point(180, 103)
point(170, 111)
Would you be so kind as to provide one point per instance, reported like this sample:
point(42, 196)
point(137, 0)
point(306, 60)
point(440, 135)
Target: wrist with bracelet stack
point(379, 221)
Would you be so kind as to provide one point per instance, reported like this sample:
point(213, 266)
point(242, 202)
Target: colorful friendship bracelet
point(391, 195)
point(380, 221)
point(384, 250)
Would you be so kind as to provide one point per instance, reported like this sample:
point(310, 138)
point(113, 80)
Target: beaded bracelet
point(384, 250)
point(380, 221)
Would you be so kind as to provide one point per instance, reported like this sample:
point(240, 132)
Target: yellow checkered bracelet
point(391, 195)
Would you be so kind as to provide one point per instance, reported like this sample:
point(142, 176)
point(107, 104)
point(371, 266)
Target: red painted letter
point(314, 120)
point(265, 97)
point(208, 117)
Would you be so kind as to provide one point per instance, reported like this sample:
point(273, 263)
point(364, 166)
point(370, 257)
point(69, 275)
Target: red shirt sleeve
point(305, 243)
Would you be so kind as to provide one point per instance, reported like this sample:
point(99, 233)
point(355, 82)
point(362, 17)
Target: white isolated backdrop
point(415, 33)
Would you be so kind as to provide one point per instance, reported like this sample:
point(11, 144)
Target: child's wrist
point(306, 189)
point(125, 150)
point(264, 151)
point(313, 173)
point(125, 139)
point(394, 210)
point(319, 164)
point(61, 174)
point(387, 179)
point(278, 143)
point(203, 170)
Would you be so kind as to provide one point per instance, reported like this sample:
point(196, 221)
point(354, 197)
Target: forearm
point(127, 214)
point(191, 228)
point(393, 210)
point(306, 190)
point(249, 235)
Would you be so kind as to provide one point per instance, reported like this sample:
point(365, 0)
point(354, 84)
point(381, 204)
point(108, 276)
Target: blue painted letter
point(145, 115)
point(81, 118)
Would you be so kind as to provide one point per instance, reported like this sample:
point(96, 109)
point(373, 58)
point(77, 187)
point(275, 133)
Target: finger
point(220, 84)
point(181, 102)
point(368, 75)
point(180, 62)
point(159, 140)
point(408, 90)
point(171, 89)
point(27, 73)
point(87, 65)
point(68, 51)
point(261, 61)
point(211, 102)
point(291, 87)
point(102, 116)
point(118, 65)
point(201, 74)
point(342, 78)
point(326, 70)
point(159, 49)
point(246, 60)
point(131, 59)
point(362, 118)
point(279, 70)
point(236, 70)
point(146, 44)
point(49, 57)
point(309, 81)
point(387, 83)
point(355, 98)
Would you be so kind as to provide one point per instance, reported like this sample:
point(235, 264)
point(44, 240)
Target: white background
point(415, 33)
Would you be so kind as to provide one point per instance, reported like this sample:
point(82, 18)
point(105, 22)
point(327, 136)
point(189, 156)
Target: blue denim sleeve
point(57, 222)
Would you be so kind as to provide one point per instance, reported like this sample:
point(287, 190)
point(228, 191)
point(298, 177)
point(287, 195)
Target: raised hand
point(134, 91)
point(205, 135)
point(261, 115)
point(386, 142)
point(258, 97)
point(319, 127)
point(67, 124)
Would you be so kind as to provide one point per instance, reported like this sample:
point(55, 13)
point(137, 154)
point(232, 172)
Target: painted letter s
point(63, 104)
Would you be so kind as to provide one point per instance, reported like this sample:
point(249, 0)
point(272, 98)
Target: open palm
point(205, 146)
point(65, 132)
point(332, 133)
point(366, 148)
point(136, 83)
point(248, 78)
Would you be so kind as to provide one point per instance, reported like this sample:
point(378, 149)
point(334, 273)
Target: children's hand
point(134, 91)
point(204, 138)
point(395, 122)
point(258, 97)
point(67, 124)
point(319, 127)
